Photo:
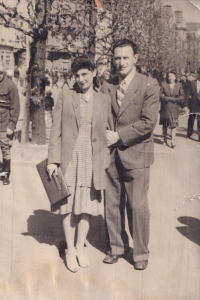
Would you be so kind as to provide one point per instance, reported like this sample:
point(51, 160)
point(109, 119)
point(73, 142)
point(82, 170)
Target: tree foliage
point(81, 27)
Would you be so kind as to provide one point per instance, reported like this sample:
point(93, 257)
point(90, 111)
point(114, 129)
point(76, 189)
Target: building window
point(3, 40)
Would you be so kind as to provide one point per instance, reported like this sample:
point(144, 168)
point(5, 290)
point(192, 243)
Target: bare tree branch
point(12, 12)
point(31, 9)
point(8, 24)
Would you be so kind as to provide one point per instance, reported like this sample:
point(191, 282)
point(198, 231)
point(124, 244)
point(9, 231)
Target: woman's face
point(84, 78)
point(171, 78)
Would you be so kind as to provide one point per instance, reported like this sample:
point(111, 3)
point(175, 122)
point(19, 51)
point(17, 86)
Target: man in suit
point(135, 104)
point(194, 106)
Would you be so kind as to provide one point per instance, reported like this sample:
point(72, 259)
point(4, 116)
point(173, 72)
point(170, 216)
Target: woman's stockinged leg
point(69, 225)
point(165, 134)
point(173, 131)
point(83, 228)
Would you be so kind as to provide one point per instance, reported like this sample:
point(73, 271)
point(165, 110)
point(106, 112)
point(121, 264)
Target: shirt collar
point(128, 78)
point(87, 97)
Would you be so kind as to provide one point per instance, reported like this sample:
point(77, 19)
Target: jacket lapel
point(130, 93)
point(175, 89)
point(113, 94)
point(76, 105)
point(112, 89)
point(168, 90)
point(195, 85)
point(96, 108)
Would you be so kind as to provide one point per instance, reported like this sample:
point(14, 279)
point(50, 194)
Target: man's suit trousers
point(191, 124)
point(131, 186)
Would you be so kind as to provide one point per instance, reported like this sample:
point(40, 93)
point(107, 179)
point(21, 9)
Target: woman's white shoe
point(82, 260)
point(71, 262)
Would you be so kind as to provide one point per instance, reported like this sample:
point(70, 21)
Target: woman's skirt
point(169, 115)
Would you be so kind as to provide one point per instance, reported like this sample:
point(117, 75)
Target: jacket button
point(94, 140)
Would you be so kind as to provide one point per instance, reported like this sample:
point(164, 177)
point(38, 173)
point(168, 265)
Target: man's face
point(84, 78)
point(124, 60)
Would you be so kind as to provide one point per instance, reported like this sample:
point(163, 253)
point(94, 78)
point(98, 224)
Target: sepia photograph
point(99, 149)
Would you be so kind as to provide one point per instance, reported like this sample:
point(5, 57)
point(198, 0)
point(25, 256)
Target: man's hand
point(9, 131)
point(112, 137)
point(51, 168)
point(186, 111)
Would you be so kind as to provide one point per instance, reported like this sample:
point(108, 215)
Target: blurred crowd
point(177, 95)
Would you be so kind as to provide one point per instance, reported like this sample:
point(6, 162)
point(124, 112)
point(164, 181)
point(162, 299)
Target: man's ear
point(136, 58)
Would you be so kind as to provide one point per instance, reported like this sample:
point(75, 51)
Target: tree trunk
point(37, 102)
point(26, 116)
point(35, 98)
point(92, 33)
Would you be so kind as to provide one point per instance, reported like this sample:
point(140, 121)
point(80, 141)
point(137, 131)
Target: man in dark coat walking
point(194, 106)
point(9, 114)
point(135, 103)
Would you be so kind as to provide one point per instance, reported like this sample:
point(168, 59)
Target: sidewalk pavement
point(30, 235)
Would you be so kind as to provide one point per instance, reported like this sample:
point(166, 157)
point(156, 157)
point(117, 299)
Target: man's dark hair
point(124, 43)
point(82, 62)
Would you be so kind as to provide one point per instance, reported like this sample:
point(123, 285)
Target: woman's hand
point(51, 168)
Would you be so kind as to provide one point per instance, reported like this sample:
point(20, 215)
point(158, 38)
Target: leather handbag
point(56, 188)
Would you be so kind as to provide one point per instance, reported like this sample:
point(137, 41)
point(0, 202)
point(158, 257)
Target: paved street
point(30, 235)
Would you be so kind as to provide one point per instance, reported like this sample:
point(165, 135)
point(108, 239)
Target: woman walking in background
point(171, 97)
point(78, 144)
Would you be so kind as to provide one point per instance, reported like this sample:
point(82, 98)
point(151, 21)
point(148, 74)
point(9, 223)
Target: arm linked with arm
point(181, 97)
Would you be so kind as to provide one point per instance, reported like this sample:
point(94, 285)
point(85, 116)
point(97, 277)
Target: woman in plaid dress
point(78, 144)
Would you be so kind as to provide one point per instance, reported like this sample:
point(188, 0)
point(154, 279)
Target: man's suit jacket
point(65, 130)
point(135, 120)
point(194, 100)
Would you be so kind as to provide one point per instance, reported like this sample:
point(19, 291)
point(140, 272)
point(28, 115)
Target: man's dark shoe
point(6, 180)
point(6, 169)
point(140, 265)
point(111, 258)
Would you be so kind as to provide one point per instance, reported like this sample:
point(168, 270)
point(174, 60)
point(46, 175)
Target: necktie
point(121, 90)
